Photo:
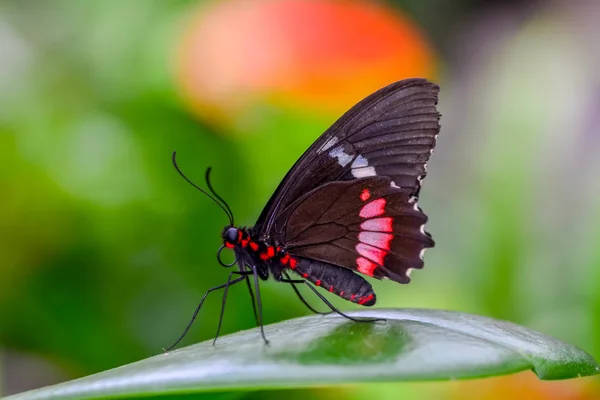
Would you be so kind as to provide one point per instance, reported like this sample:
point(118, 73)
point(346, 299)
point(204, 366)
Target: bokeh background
point(105, 250)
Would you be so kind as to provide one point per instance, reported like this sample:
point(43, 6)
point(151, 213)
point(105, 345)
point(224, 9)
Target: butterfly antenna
point(226, 210)
point(207, 178)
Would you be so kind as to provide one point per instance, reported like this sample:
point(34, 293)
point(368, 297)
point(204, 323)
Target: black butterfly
point(348, 205)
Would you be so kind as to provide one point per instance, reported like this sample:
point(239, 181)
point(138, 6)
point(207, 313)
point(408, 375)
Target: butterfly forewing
point(390, 133)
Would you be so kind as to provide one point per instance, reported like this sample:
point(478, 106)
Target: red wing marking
point(377, 239)
point(373, 209)
point(365, 195)
point(318, 282)
point(378, 224)
point(372, 253)
point(239, 235)
point(365, 266)
point(331, 289)
point(229, 245)
point(284, 260)
point(305, 276)
point(254, 246)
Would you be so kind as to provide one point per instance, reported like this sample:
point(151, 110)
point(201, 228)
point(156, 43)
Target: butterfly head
point(231, 236)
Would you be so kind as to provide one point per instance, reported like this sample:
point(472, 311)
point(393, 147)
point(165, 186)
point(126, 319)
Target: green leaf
point(413, 344)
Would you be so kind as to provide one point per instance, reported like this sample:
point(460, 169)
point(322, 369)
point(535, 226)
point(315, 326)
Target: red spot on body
point(268, 253)
point(318, 282)
point(293, 263)
point(381, 240)
point(365, 195)
point(365, 266)
point(373, 209)
point(365, 299)
point(331, 289)
point(284, 260)
point(279, 249)
point(254, 246)
point(378, 224)
point(229, 245)
point(239, 235)
point(244, 242)
point(372, 253)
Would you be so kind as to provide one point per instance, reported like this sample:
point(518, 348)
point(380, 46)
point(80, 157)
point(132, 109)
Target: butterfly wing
point(369, 225)
point(390, 133)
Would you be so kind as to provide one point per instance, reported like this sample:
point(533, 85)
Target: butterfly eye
point(231, 235)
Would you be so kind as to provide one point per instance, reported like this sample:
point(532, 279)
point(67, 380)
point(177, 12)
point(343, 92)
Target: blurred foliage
point(105, 251)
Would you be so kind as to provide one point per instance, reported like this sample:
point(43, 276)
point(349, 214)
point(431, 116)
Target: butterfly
point(347, 208)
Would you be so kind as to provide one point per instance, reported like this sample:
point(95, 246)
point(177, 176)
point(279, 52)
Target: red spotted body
point(274, 259)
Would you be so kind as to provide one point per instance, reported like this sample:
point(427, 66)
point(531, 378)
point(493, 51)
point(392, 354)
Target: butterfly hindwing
point(368, 225)
point(390, 133)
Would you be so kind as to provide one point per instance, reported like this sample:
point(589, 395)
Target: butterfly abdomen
point(338, 280)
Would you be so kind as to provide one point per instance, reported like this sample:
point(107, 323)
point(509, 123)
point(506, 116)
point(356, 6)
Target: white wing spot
point(393, 184)
point(328, 144)
point(343, 158)
point(408, 272)
point(363, 172)
point(360, 162)
point(361, 168)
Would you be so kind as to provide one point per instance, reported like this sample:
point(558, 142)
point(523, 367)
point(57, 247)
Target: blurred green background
point(105, 250)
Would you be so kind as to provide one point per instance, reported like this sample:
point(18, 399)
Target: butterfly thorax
point(251, 251)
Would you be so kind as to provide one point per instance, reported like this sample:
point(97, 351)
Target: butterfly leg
point(252, 299)
point(224, 300)
point(259, 304)
point(187, 328)
point(302, 299)
point(331, 306)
